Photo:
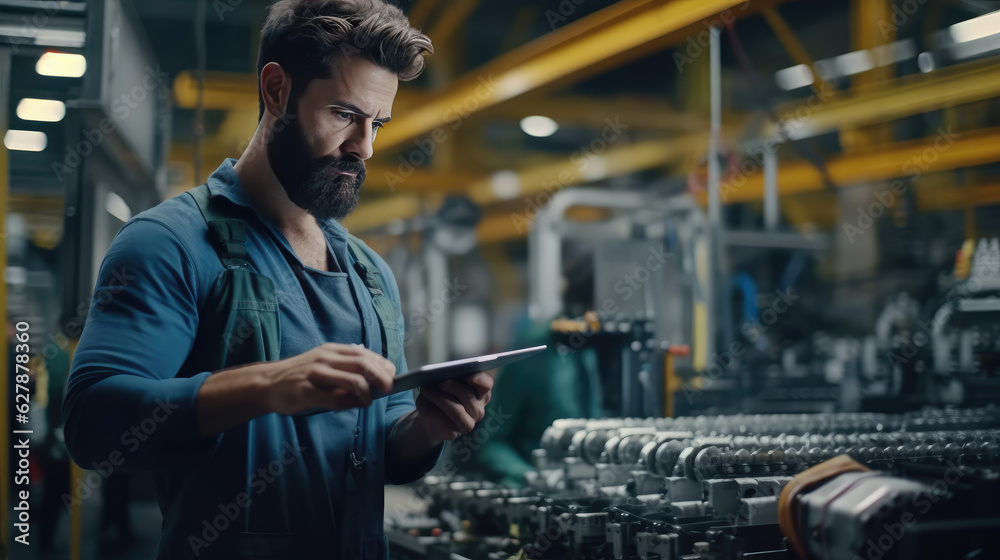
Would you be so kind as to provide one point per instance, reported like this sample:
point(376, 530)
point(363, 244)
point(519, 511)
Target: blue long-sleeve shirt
point(280, 485)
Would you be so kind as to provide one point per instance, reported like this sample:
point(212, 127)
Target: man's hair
point(307, 38)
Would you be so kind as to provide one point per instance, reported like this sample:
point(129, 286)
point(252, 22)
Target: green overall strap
point(227, 235)
point(384, 307)
point(239, 320)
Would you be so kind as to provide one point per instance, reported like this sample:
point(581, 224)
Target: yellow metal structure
point(954, 197)
point(868, 34)
point(443, 30)
point(889, 101)
point(381, 212)
point(594, 164)
point(421, 12)
point(583, 48)
point(791, 43)
point(912, 158)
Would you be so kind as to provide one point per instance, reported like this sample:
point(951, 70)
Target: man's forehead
point(359, 83)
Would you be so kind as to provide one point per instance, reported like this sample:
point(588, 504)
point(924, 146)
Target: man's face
point(318, 148)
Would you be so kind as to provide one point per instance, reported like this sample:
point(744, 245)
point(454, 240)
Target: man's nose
point(359, 143)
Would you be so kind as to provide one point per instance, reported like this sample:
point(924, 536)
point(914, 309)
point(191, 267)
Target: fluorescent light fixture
point(62, 65)
point(794, 77)
point(25, 140)
point(44, 37)
point(853, 63)
point(117, 207)
point(890, 53)
point(537, 125)
point(976, 28)
point(60, 38)
point(45, 110)
point(847, 64)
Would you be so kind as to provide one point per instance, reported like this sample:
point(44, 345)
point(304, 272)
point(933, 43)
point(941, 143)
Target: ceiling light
point(45, 110)
point(975, 28)
point(539, 126)
point(854, 63)
point(25, 140)
point(794, 77)
point(63, 65)
point(506, 184)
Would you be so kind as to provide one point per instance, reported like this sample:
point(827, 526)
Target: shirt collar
point(225, 182)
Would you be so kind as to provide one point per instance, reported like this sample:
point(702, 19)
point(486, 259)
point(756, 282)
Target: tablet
point(435, 373)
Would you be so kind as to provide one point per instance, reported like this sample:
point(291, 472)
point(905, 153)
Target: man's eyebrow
point(354, 108)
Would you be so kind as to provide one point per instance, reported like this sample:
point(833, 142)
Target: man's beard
point(315, 185)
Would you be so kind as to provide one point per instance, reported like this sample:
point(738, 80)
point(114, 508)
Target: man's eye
point(377, 125)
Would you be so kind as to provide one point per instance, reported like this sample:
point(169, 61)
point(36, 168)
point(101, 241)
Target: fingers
point(427, 406)
point(335, 385)
point(481, 383)
point(357, 359)
point(452, 407)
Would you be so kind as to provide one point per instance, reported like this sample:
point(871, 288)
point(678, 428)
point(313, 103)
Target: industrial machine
point(784, 486)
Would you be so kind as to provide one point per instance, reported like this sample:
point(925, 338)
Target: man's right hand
point(332, 376)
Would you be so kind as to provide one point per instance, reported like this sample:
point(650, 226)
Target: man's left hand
point(451, 408)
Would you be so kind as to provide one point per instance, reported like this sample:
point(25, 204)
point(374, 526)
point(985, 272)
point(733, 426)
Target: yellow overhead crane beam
point(378, 213)
point(904, 97)
point(792, 45)
point(913, 158)
point(590, 166)
point(536, 184)
point(586, 47)
point(639, 112)
point(230, 91)
point(957, 197)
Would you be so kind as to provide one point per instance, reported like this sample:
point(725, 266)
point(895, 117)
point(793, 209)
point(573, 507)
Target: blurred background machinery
point(757, 236)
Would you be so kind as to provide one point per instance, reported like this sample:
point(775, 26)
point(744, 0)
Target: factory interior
point(759, 239)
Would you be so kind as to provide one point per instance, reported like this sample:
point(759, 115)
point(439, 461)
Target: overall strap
point(227, 235)
point(384, 308)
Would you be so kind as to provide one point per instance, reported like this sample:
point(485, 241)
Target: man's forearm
point(409, 443)
point(230, 398)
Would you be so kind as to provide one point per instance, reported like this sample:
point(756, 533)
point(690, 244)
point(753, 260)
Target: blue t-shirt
point(282, 486)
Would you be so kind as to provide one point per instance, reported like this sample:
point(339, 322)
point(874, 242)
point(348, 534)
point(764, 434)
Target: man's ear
point(275, 89)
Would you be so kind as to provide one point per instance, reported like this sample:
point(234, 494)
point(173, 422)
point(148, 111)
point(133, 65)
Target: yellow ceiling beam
point(36, 203)
point(444, 28)
point(377, 213)
point(912, 158)
point(601, 161)
point(582, 48)
point(957, 197)
point(639, 112)
point(582, 167)
point(225, 91)
point(421, 12)
point(502, 226)
point(792, 44)
point(907, 96)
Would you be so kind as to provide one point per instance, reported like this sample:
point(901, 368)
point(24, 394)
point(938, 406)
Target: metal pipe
point(545, 244)
point(771, 203)
point(438, 308)
point(712, 301)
